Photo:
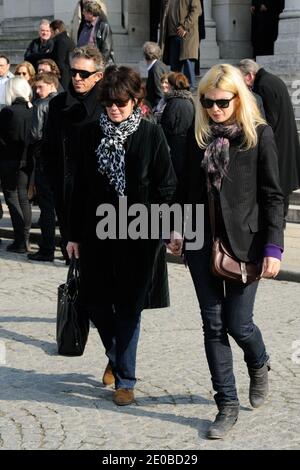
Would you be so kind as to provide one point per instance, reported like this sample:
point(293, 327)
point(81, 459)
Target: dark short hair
point(178, 81)
point(90, 53)
point(2, 56)
point(121, 83)
point(58, 24)
point(46, 77)
point(53, 66)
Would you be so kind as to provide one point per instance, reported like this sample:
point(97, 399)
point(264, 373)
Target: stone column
point(286, 59)
point(209, 50)
point(233, 20)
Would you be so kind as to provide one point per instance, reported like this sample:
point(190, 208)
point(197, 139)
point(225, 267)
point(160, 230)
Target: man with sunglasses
point(68, 113)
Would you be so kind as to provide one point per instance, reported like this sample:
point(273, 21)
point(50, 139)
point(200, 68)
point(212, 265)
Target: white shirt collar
point(151, 65)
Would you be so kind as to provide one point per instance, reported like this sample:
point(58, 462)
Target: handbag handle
point(73, 272)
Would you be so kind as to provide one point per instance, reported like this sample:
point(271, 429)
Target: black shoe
point(225, 420)
point(39, 256)
point(17, 247)
point(259, 385)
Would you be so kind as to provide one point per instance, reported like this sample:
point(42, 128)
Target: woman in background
point(15, 123)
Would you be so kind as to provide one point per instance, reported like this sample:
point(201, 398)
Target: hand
point(181, 32)
point(263, 7)
point(31, 192)
point(73, 249)
point(271, 267)
point(175, 245)
point(252, 9)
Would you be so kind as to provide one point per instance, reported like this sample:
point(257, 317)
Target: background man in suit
point(156, 69)
point(280, 116)
point(265, 18)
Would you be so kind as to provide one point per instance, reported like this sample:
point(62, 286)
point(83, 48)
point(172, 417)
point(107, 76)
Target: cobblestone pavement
point(53, 402)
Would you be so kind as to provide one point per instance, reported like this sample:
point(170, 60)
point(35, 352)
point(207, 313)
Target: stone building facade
point(228, 29)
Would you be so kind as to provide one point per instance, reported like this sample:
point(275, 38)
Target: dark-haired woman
point(177, 117)
point(122, 155)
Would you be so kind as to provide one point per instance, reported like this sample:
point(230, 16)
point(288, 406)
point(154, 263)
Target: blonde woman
point(232, 151)
point(25, 70)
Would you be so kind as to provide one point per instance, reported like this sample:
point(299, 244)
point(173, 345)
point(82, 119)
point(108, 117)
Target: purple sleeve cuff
point(273, 250)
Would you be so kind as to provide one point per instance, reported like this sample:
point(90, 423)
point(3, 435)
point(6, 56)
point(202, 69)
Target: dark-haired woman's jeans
point(119, 334)
point(225, 310)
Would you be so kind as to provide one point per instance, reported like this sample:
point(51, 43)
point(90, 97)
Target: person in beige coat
point(77, 17)
point(179, 35)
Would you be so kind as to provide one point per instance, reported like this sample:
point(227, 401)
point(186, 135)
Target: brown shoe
point(123, 396)
point(108, 376)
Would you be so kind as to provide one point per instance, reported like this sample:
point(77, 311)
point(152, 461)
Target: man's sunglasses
point(84, 74)
point(208, 103)
point(118, 103)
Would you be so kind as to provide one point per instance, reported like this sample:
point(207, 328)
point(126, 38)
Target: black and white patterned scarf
point(111, 151)
point(216, 156)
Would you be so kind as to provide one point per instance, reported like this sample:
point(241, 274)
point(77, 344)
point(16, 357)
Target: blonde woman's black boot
point(225, 420)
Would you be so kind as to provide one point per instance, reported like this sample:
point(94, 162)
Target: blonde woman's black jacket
point(251, 198)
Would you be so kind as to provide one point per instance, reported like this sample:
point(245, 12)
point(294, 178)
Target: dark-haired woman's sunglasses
point(118, 103)
point(84, 74)
point(207, 103)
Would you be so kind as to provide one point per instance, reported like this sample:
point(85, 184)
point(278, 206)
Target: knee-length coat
point(130, 274)
point(189, 12)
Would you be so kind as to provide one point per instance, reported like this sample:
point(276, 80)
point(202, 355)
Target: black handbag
point(72, 323)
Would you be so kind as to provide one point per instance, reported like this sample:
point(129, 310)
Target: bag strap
point(211, 208)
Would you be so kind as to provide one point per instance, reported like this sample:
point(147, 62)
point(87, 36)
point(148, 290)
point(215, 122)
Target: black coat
point(63, 46)
point(153, 85)
point(176, 120)
point(38, 50)
point(251, 198)
point(280, 116)
point(15, 123)
point(265, 25)
point(68, 113)
point(122, 272)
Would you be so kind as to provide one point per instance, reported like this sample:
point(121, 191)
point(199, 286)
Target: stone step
point(294, 214)
point(295, 198)
point(16, 43)
point(12, 26)
point(15, 56)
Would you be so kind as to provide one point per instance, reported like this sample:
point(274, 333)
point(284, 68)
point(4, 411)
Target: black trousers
point(45, 201)
point(14, 184)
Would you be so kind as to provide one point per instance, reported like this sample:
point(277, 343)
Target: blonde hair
point(29, 67)
point(228, 78)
